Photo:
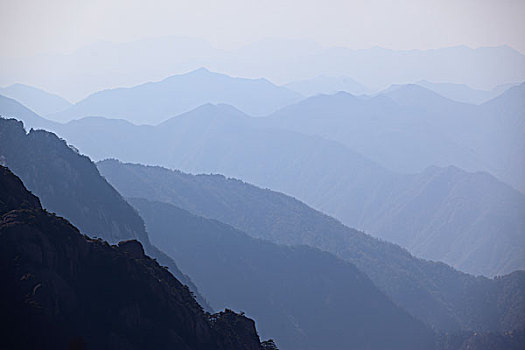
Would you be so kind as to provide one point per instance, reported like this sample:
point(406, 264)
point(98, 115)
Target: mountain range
point(178, 94)
point(273, 284)
point(38, 100)
point(70, 185)
point(491, 305)
point(420, 129)
point(327, 85)
point(231, 266)
point(330, 177)
point(442, 297)
point(106, 65)
point(212, 251)
point(464, 93)
point(61, 289)
point(408, 128)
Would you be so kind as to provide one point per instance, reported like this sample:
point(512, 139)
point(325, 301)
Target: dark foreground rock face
point(62, 290)
point(69, 184)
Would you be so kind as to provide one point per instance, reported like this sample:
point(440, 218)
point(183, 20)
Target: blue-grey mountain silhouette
point(433, 292)
point(40, 101)
point(329, 176)
point(154, 102)
point(61, 289)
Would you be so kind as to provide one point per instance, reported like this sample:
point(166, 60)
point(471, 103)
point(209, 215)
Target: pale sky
point(56, 26)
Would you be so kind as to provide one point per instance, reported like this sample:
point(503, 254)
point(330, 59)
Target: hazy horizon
point(108, 65)
point(61, 26)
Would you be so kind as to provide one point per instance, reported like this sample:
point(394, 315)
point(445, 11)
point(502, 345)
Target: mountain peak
point(36, 99)
point(201, 70)
point(208, 111)
point(415, 95)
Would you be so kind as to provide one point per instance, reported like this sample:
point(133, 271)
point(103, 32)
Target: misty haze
point(242, 175)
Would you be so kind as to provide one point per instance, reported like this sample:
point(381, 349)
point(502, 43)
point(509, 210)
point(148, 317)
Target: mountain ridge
point(181, 93)
point(262, 213)
point(62, 288)
point(272, 284)
point(42, 102)
point(70, 185)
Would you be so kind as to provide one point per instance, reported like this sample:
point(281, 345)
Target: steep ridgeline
point(468, 224)
point(304, 298)
point(40, 101)
point(433, 292)
point(154, 102)
point(464, 93)
point(452, 222)
point(10, 108)
point(409, 128)
point(61, 289)
point(70, 185)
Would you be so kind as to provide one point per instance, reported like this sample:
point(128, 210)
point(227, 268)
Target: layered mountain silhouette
point(420, 129)
point(329, 85)
point(330, 177)
point(105, 65)
point(61, 289)
point(304, 298)
point(11, 108)
point(433, 292)
point(40, 101)
point(406, 128)
point(464, 93)
point(223, 139)
point(70, 185)
point(178, 94)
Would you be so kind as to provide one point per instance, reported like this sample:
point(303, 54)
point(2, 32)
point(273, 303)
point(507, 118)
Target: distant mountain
point(376, 67)
point(106, 65)
point(408, 128)
point(342, 183)
point(416, 96)
point(38, 100)
point(462, 92)
point(327, 85)
point(300, 296)
point(327, 176)
point(501, 136)
point(154, 102)
point(433, 292)
point(10, 108)
point(62, 290)
point(70, 185)
point(392, 129)
point(469, 220)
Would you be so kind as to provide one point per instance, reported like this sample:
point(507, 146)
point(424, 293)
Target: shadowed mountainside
point(467, 224)
point(433, 292)
point(60, 288)
point(304, 298)
point(331, 178)
point(70, 185)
